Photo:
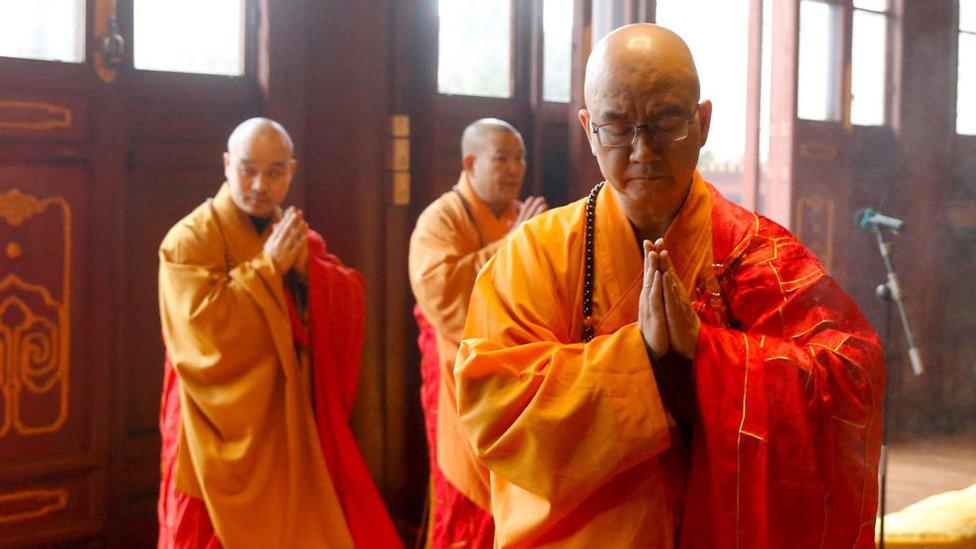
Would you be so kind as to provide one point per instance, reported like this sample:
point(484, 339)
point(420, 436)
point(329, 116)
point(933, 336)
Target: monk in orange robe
point(654, 366)
point(453, 239)
point(263, 331)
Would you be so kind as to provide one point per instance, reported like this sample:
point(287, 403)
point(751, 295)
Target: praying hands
point(287, 246)
point(665, 316)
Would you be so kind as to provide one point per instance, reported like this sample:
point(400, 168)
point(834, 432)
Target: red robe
point(788, 379)
point(336, 313)
point(457, 517)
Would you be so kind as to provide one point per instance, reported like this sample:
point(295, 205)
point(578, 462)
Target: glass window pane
point(876, 5)
point(966, 87)
point(722, 71)
point(52, 30)
point(475, 45)
point(967, 15)
point(557, 32)
point(189, 36)
point(765, 101)
point(818, 96)
point(868, 68)
point(606, 15)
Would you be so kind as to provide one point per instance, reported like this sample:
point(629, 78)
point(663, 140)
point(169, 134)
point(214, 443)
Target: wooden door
point(52, 427)
point(54, 302)
point(93, 172)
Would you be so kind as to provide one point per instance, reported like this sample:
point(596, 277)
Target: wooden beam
point(750, 159)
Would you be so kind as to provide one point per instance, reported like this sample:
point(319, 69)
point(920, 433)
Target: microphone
point(866, 218)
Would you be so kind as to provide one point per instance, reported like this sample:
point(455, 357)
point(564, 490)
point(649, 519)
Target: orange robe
point(783, 434)
point(453, 239)
point(250, 457)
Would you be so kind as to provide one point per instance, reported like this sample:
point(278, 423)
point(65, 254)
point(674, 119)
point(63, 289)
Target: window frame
point(50, 68)
point(840, 75)
point(144, 82)
point(253, 18)
point(891, 29)
point(154, 85)
point(526, 72)
point(514, 59)
point(551, 109)
point(843, 92)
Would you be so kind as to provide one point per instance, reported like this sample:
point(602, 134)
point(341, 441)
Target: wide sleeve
point(443, 263)
point(214, 324)
point(551, 415)
point(337, 296)
point(789, 393)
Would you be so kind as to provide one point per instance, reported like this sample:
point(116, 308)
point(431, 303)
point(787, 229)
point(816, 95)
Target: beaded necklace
point(588, 270)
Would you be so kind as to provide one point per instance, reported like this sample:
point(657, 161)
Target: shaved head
point(473, 138)
point(644, 53)
point(259, 166)
point(493, 159)
point(258, 127)
point(641, 86)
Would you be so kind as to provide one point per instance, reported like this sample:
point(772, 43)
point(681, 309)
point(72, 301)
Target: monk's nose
point(644, 150)
point(259, 183)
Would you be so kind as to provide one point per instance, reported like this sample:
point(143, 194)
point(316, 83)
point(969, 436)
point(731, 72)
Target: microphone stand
point(889, 291)
point(893, 293)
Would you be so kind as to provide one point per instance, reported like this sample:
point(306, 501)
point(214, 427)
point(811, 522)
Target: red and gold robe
point(453, 239)
point(257, 449)
point(784, 390)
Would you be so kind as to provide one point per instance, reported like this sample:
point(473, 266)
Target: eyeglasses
point(662, 131)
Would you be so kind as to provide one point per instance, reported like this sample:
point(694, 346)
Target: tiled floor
point(918, 469)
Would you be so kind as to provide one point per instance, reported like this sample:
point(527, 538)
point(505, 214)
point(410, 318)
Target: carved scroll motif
point(31, 504)
point(34, 313)
point(33, 116)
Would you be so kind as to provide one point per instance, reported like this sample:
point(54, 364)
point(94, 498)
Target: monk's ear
point(467, 163)
point(227, 167)
point(584, 118)
point(704, 121)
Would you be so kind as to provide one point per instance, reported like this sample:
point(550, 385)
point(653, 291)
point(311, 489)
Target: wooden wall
point(912, 170)
point(935, 255)
point(131, 157)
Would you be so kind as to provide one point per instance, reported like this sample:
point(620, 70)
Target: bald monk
point(453, 239)
point(263, 331)
point(654, 366)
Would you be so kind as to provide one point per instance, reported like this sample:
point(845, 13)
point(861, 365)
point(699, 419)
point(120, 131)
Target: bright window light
point(189, 36)
point(475, 43)
point(51, 30)
point(557, 31)
point(869, 65)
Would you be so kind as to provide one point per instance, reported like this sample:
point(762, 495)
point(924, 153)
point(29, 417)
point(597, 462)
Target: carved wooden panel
point(822, 216)
point(35, 291)
point(34, 511)
point(815, 219)
point(49, 439)
point(43, 118)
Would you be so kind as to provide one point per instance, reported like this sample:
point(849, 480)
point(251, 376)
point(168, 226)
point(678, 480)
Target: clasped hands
point(665, 316)
point(287, 247)
point(533, 206)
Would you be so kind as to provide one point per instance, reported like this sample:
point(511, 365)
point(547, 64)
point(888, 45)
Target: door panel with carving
point(51, 444)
